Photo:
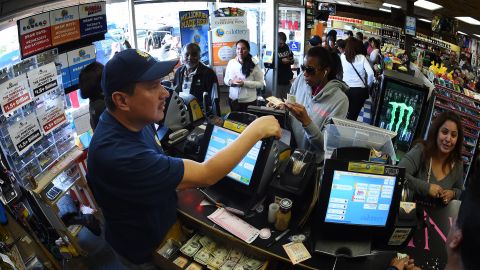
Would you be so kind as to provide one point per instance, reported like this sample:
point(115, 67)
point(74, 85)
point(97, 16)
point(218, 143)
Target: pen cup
point(272, 212)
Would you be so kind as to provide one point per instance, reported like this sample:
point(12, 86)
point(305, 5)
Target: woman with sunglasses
point(244, 76)
point(357, 74)
point(319, 97)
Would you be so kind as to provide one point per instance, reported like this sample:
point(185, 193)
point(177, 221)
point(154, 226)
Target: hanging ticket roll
point(43, 79)
point(51, 115)
point(14, 94)
point(25, 133)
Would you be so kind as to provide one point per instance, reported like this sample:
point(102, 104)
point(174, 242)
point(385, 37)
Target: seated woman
point(244, 76)
point(434, 167)
point(319, 97)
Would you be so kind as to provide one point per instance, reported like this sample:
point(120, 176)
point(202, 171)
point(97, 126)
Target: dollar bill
point(220, 253)
point(253, 264)
point(228, 265)
point(205, 241)
point(190, 248)
point(203, 256)
point(235, 255)
point(216, 263)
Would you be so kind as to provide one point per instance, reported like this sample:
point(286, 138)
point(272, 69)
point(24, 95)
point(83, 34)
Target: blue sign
point(194, 26)
point(294, 46)
point(93, 19)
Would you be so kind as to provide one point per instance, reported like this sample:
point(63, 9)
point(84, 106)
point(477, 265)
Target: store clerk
point(131, 178)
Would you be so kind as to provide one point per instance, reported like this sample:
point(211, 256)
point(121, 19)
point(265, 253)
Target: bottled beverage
point(284, 215)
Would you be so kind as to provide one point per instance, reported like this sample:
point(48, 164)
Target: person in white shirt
point(375, 56)
point(357, 74)
point(244, 76)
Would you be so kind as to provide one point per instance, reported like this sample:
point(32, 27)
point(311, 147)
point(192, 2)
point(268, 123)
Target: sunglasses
point(308, 70)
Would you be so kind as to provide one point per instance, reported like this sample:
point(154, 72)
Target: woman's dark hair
point(327, 60)
point(89, 81)
point(352, 49)
point(247, 65)
point(430, 145)
point(341, 43)
point(376, 42)
point(282, 36)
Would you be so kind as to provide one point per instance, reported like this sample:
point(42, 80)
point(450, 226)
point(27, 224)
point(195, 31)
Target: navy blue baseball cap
point(315, 40)
point(132, 66)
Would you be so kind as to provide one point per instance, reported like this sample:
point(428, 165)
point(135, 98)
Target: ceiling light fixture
point(460, 32)
point(427, 5)
point(385, 10)
point(468, 20)
point(476, 35)
point(425, 20)
point(391, 5)
point(344, 3)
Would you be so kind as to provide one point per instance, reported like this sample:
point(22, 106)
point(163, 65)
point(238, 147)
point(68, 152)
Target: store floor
point(100, 254)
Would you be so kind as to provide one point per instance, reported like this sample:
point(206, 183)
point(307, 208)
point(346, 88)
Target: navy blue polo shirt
point(134, 184)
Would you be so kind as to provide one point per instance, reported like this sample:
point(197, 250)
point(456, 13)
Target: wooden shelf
point(74, 230)
point(56, 168)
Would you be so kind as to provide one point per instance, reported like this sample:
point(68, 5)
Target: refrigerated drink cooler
point(400, 107)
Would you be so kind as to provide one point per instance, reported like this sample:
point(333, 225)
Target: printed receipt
point(297, 252)
point(234, 225)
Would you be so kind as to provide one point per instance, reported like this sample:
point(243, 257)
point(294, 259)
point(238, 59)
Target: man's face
point(281, 43)
point(147, 104)
point(190, 57)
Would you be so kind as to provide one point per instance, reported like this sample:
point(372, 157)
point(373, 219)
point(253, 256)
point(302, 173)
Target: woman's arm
point(255, 80)
point(369, 70)
point(412, 162)
point(228, 71)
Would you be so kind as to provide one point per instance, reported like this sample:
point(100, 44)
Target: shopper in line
point(319, 97)
point(315, 41)
point(349, 34)
point(331, 39)
point(375, 54)
point(90, 87)
point(133, 181)
point(357, 74)
point(193, 77)
point(285, 60)
point(244, 77)
point(359, 36)
point(434, 167)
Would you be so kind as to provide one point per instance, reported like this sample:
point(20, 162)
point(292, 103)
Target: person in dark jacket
point(194, 77)
point(285, 74)
point(89, 84)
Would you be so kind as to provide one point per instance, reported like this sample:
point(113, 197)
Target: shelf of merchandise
point(445, 99)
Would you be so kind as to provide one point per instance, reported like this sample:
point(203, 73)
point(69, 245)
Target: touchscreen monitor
point(243, 172)
point(360, 199)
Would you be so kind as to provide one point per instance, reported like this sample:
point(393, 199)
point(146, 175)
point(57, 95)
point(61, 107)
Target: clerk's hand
point(435, 191)
point(238, 82)
point(400, 264)
point(447, 196)
point(299, 112)
point(266, 126)
point(280, 106)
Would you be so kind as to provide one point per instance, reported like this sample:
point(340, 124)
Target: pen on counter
point(278, 237)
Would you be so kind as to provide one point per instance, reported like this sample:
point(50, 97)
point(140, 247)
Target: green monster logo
point(403, 108)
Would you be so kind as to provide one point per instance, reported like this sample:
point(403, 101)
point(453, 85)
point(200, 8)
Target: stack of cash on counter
point(207, 253)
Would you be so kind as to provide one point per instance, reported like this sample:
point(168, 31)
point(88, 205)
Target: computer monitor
point(243, 172)
point(248, 180)
point(358, 202)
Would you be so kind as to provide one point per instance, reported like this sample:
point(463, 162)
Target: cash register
point(246, 184)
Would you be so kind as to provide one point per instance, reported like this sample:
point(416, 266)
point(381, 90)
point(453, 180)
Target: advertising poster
point(223, 42)
point(222, 21)
point(25, 133)
point(93, 19)
point(78, 59)
point(51, 115)
point(65, 25)
point(14, 94)
point(63, 61)
point(34, 34)
point(194, 27)
point(410, 25)
point(43, 79)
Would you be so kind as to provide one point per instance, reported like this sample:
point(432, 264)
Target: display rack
point(446, 99)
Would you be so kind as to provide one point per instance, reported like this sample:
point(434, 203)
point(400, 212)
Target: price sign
point(51, 115)
point(25, 133)
point(14, 94)
point(43, 79)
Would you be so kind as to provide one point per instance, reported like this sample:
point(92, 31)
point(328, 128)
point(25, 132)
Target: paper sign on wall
point(223, 42)
point(43, 79)
point(63, 61)
point(35, 35)
point(51, 115)
point(93, 19)
point(65, 25)
point(25, 133)
point(14, 94)
point(78, 59)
